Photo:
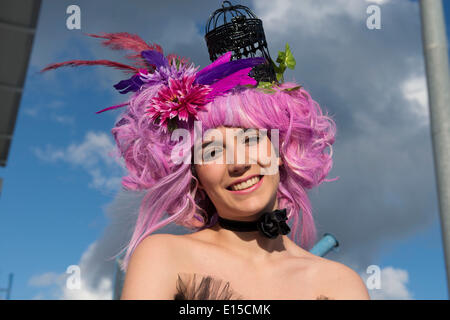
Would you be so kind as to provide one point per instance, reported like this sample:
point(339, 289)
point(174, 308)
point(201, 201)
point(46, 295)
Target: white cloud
point(63, 119)
point(32, 112)
point(394, 283)
point(379, 2)
point(39, 296)
point(49, 154)
point(55, 104)
point(101, 291)
point(414, 90)
point(97, 268)
point(46, 279)
point(96, 155)
point(46, 111)
point(311, 17)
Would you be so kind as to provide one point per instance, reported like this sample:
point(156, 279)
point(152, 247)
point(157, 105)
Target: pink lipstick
point(251, 189)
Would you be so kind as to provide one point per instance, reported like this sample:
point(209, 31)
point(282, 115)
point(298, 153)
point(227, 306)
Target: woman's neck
point(250, 245)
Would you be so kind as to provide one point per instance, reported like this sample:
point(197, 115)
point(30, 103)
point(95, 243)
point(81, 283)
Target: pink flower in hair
point(181, 98)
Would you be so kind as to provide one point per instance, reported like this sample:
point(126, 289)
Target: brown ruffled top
point(198, 287)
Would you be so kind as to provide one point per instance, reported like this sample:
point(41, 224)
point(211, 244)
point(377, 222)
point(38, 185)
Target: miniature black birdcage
point(236, 28)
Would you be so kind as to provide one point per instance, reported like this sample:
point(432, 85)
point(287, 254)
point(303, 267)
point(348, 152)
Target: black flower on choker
point(270, 224)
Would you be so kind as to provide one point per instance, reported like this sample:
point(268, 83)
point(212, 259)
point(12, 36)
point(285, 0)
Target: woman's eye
point(252, 140)
point(211, 153)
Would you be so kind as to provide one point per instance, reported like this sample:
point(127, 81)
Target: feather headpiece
point(182, 90)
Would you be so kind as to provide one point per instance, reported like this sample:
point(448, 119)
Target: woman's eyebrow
point(205, 144)
point(240, 133)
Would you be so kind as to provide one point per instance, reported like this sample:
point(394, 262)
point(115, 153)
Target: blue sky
point(58, 185)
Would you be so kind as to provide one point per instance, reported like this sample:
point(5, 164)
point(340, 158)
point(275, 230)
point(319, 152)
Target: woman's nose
point(238, 169)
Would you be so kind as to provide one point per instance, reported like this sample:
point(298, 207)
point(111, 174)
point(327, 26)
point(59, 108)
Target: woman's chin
point(250, 207)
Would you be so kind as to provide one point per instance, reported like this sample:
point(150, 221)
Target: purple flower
point(163, 74)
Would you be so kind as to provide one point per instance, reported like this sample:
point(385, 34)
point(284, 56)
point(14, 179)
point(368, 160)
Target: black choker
point(270, 224)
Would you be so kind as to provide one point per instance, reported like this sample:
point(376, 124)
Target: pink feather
point(113, 107)
point(240, 77)
point(225, 58)
point(76, 63)
point(127, 41)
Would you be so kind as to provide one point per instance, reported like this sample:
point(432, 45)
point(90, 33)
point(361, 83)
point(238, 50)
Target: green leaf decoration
point(275, 67)
point(292, 89)
point(278, 71)
point(281, 57)
point(265, 85)
point(269, 91)
point(280, 77)
point(285, 60)
point(289, 58)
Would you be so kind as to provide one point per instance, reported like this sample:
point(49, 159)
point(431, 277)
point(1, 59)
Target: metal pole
point(438, 82)
point(8, 290)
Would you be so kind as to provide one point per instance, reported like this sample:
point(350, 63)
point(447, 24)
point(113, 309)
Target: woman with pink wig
point(232, 160)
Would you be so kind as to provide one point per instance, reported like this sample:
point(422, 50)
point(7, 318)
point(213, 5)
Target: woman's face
point(235, 172)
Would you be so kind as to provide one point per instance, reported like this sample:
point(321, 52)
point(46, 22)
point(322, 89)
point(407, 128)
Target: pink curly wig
point(171, 194)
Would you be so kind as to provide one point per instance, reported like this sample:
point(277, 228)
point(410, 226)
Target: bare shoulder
point(150, 272)
point(338, 281)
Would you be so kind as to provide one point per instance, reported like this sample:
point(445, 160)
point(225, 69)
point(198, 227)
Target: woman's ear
point(194, 173)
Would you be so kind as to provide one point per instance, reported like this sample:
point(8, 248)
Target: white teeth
point(245, 184)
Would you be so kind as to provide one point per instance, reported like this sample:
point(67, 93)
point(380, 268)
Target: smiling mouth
point(245, 185)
